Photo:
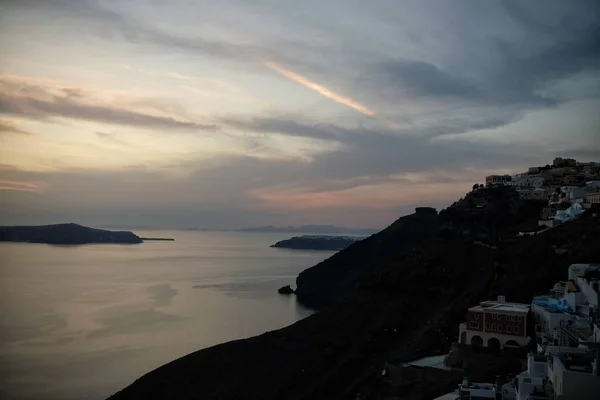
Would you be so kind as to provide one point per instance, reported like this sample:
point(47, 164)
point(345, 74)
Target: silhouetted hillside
point(411, 306)
point(338, 276)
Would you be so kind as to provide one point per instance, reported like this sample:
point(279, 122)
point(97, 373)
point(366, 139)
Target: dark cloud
point(517, 79)
point(422, 78)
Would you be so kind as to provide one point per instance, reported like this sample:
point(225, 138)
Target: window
point(512, 317)
point(493, 316)
point(516, 330)
point(476, 315)
point(487, 327)
point(474, 325)
point(499, 328)
point(493, 327)
point(508, 329)
point(521, 319)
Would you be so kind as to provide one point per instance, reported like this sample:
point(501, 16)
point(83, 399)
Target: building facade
point(528, 181)
point(496, 324)
point(498, 180)
point(593, 198)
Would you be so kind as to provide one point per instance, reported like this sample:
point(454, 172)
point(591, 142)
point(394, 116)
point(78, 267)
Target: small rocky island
point(317, 242)
point(65, 234)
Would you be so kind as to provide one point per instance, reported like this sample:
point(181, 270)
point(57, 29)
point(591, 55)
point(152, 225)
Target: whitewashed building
point(570, 213)
point(560, 373)
point(527, 181)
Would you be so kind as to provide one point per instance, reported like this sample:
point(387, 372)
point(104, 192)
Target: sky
point(237, 113)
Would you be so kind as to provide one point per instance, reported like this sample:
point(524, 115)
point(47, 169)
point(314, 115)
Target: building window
point(474, 325)
point(499, 328)
point(516, 330)
point(508, 329)
point(493, 316)
point(520, 319)
point(493, 327)
point(512, 317)
point(477, 316)
point(487, 327)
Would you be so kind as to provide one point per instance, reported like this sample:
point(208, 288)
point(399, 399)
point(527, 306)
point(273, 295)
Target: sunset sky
point(234, 113)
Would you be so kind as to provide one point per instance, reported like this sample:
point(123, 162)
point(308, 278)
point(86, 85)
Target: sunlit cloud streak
point(322, 90)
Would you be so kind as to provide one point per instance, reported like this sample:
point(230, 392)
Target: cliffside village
point(569, 186)
point(555, 337)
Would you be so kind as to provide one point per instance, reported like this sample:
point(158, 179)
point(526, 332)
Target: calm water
point(82, 322)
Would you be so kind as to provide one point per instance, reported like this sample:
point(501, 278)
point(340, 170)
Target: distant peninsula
point(65, 234)
point(324, 229)
point(317, 242)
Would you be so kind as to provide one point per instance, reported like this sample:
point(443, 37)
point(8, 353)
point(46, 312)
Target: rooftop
point(498, 306)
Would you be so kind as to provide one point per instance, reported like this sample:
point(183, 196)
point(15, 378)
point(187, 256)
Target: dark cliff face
point(338, 276)
point(66, 234)
point(491, 214)
point(409, 308)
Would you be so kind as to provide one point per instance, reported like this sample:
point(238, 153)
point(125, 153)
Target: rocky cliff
point(409, 307)
point(67, 234)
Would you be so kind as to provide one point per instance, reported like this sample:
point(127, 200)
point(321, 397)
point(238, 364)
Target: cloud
point(590, 154)
point(322, 90)
point(11, 127)
point(112, 138)
point(459, 77)
point(30, 98)
point(18, 186)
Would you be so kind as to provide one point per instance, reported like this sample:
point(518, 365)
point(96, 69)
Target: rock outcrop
point(287, 289)
point(65, 234)
point(317, 242)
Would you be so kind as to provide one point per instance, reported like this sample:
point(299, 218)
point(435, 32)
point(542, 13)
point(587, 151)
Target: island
point(320, 229)
point(317, 242)
point(66, 234)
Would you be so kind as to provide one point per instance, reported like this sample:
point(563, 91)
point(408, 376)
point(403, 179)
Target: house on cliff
point(496, 325)
point(498, 180)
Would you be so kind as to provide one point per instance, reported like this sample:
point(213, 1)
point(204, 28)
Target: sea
point(82, 322)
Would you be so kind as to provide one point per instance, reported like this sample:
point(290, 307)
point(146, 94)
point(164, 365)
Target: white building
point(498, 180)
point(561, 373)
point(528, 181)
point(568, 329)
point(593, 184)
point(570, 213)
point(566, 316)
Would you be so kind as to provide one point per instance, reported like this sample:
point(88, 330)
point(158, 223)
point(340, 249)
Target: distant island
point(65, 234)
point(317, 242)
point(311, 229)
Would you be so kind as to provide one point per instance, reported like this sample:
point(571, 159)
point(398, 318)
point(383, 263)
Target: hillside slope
point(338, 276)
point(410, 307)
